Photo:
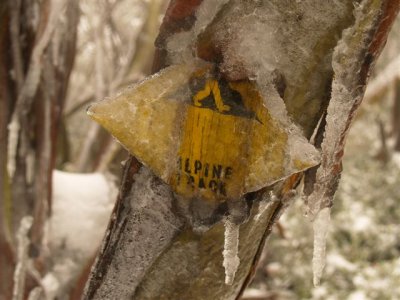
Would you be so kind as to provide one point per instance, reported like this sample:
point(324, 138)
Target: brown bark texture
point(150, 250)
point(37, 51)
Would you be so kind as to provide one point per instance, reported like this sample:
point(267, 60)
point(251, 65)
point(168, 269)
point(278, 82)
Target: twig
point(106, 158)
point(30, 85)
point(102, 88)
point(90, 139)
point(384, 154)
point(22, 256)
point(146, 39)
point(15, 8)
point(100, 92)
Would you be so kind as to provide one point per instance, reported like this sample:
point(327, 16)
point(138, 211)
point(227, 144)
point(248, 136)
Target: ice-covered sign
point(207, 137)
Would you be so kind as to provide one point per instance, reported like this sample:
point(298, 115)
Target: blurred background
point(114, 49)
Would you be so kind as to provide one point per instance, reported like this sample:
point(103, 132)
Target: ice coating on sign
point(180, 45)
point(140, 121)
point(207, 137)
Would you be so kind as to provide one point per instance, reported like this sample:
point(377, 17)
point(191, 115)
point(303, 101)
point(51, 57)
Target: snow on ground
point(363, 246)
point(82, 205)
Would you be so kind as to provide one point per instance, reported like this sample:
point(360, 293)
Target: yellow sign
point(201, 134)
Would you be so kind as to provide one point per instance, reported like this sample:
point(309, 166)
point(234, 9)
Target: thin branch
point(30, 85)
point(108, 155)
point(384, 154)
point(15, 8)
point(102, 88)
point(94, 130)
point(90, 97)
point(22, 265)
point(90, 139)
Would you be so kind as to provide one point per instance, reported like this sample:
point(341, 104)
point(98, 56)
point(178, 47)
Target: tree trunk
point(151, 251)
point(37, 50)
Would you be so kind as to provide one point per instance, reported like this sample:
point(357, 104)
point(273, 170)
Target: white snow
point(396, 159)
point(51, 285)
point(254, 293)
point(321, 228)
point(337, 261)
point(82, 204)
point(231, 249)
point(362, 223)
point(358, 295)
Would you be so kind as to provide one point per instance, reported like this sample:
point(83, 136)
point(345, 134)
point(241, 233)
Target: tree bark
point(37, 52)
point(150, 250)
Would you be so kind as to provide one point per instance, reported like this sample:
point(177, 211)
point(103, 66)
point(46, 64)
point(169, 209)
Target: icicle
point(346, 95)
point(231, 249)
point(321, 227)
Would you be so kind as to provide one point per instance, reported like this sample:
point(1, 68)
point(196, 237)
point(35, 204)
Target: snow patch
point(51, 285)
point(358, 295)
point(82, 204)
point(339, 262)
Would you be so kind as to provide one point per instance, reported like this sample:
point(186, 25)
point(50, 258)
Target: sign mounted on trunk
point(205, 136)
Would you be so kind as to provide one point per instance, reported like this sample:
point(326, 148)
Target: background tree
point(37, 51)
point(322, 73)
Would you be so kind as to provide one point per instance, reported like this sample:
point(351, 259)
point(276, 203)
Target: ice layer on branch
point(348, 87)
point(346, 95)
